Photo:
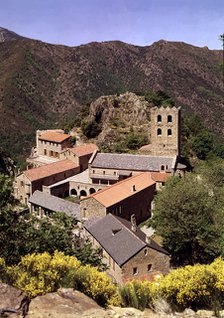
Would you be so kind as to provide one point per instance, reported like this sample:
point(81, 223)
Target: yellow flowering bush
point(97, 285)
point(42, 273)
point(198, 286)
point(193, 286)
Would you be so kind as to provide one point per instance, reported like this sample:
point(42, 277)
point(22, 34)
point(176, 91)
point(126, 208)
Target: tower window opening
point(159, 119)
point(159, 132)
point(169, 119)
point(169, 132)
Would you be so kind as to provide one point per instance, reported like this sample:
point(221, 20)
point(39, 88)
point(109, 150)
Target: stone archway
point(92, 190)
point(83, 193)
point(73, 192)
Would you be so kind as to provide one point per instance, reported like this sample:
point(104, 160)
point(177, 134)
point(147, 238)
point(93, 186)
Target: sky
point(139, 22)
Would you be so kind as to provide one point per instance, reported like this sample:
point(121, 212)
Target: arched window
point(162, 167)
point(159, 119)
point(169, 132)
point(159, 132)
point(73, 192)
point(92, 190)
point(169, 119)
point(83, 193)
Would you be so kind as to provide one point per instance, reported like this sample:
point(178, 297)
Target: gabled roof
point(50, 169)
point(132, 162)
point(82, 150)
point(54, 136)
point(55, 204)
point(115, 236)
point(123, 189)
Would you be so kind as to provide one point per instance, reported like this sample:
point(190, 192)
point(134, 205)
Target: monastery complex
point(115, 191)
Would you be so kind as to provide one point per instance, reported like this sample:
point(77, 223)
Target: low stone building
point(44, 204)
point(109, 168)
point(49, 145)
point(127, 251)
point(54, 145)
point(34, 179)
point(132, 195)
point(80, 154)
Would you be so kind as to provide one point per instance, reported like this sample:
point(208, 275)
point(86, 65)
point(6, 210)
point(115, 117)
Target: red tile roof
point(54, 136)
point(123, 189)
point(83, 150)
point(49, 169)
point(160, 176)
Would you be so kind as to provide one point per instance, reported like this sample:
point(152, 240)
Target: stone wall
point(90, 207)
point(146, 262)
point(138, 203)
point(165, 131)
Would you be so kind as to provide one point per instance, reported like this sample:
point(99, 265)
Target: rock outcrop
point(13, 302)
point(65, 303)
point(6, 35)
point(118, 115)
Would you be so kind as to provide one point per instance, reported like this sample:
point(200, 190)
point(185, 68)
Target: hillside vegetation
point(43, 85)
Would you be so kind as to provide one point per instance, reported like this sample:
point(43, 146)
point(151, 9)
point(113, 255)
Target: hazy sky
point(140, 22)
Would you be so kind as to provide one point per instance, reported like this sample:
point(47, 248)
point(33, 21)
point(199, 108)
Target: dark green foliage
point(6, 197)
point(88, 255)
point(135, 294)
point(198, 141)
point(188, 216)
point(202, 144)
point(23, 234)
point(159, 98)
point(91, 129)
point(135, 140)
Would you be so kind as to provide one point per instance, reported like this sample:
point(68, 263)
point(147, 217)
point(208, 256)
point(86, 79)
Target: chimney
point(133, 223)
point(133, 189)
point(147, 239)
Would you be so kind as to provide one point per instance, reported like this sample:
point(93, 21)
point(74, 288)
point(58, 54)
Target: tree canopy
point(189, 216)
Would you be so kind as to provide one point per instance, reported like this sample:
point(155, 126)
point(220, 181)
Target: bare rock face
point(13, 302)
point(117, 115)
point(6, 35)
point(128, 107)
point(65, 303)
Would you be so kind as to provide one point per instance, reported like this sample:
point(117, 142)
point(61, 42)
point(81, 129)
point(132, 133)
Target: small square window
point(149, 267)
point(135, 270)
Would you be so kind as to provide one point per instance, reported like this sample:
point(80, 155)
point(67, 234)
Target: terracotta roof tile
point(83, 150)
point(50, 169)
point(160, 176)
point(54, 136)
point(123, 189)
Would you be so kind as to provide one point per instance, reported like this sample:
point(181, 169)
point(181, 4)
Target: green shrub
point(135, 140)
point(136, 294)
point(91, 129)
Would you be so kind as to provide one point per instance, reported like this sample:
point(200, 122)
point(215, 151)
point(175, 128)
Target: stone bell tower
point(165, 131)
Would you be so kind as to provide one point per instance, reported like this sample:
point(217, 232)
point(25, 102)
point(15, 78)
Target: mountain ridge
point(43, 85)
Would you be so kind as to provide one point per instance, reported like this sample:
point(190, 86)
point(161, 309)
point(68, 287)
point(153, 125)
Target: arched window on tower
point(169, 119)
point(159, 119)
point(159, 132)
point(169, 132)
